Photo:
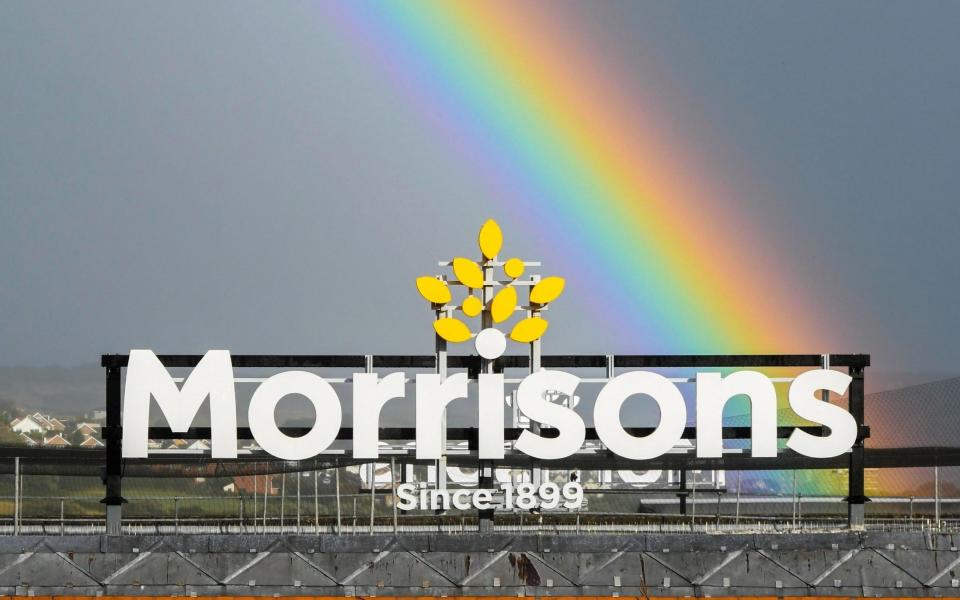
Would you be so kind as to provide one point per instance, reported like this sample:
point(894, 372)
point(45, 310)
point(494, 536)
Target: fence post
point(16, 495)
point(793, 499)
point(373, 494)
point(176, 516)
point(736, 519)
point(266, 489)
point(682, 494)
point(936, 497)
point(241, 514)
point(693, 505)
point(283, 498)
point(62, 524)
point(393, 488)
point(336, 479)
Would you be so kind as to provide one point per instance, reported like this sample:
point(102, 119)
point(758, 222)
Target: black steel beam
point(357, 361)
point(874, 458)
point(113, 469)
point(855, 479)
point(469, 434)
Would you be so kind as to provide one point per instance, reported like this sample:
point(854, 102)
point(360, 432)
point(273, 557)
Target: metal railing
point(363, 514)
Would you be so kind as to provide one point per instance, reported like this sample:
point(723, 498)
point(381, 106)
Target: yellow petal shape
point(433, 289)
point(529, 330)
point(468, 272)
point(547, 290)
point(490, 238)
point(452, 330)
point(471, 306)
point(513, 268)
point(502, 305)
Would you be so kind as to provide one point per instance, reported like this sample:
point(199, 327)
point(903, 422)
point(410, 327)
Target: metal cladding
point(660, 565)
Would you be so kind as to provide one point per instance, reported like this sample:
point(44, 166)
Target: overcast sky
point(185, 176)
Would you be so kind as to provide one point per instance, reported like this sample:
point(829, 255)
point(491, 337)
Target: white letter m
point(147, 377)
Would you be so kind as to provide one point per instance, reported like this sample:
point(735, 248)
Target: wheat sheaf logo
point(493, 300)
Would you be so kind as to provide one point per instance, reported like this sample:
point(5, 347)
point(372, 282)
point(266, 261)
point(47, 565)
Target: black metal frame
point(855, 462)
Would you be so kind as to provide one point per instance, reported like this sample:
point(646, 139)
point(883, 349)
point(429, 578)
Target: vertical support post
point(255, 478)
point(63, 529)
point(855, 492)
point(693, 504)
point(316, 501)
point(241, 515)
point(536, 474)
point(176, 516)
point(682, 494)
point(373, 494)
point(936, 497)
point(405, 473)
point(336, 484)
point(484, 467)
point(393, 490)
point(16, 495)
point(266, 490)
point(299, 477)
point(793, 499)
point(283, 498)
point(113, 475)
point(736, 519)
point(440, 349)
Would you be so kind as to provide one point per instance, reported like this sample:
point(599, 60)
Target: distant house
point(249, 484)
point(88, 428)
point(57, 441)
point(28, 424)
point(56, 424)
point(154, 445)
point(91, 442)
point(26, 439)
point(177, 445)
point(42, 420)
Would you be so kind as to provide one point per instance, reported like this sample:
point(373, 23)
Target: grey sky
point(185, 176)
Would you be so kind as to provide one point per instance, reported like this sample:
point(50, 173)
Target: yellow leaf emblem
point(472, 306)
point(452, 330)
point(468, 272)
point(547, 290)
point(502, 305)
point(490, 239)
point(433, 289)
point(529, 330)
point(513, 268)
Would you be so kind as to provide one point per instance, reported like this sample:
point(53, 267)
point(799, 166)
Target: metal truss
point(835, 564)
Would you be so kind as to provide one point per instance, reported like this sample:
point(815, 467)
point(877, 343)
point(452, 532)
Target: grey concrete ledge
point(822, 564)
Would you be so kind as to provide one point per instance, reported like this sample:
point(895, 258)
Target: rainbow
point(673, 263)
point(667, 253)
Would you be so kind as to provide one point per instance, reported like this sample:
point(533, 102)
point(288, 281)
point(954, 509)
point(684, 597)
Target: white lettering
point(211, 378)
